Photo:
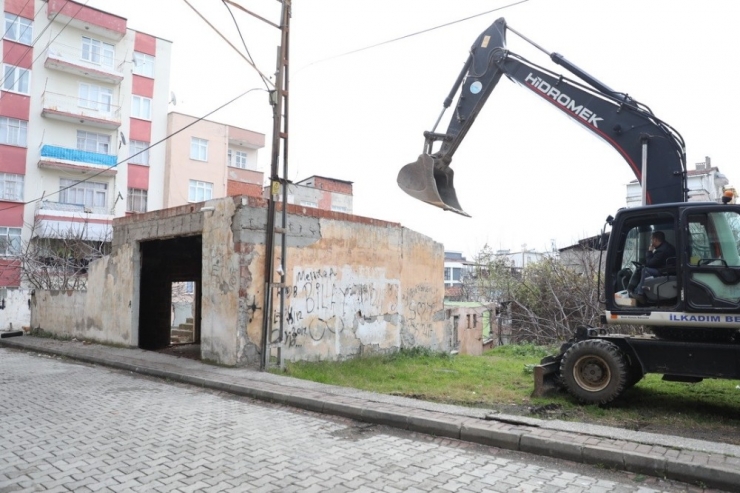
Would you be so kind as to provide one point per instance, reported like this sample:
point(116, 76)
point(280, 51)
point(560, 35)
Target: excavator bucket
point(430, 182)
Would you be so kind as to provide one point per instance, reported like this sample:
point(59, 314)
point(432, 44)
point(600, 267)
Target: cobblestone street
point(68, 426)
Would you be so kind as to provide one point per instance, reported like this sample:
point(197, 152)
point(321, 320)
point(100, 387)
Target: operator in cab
point(657, 258)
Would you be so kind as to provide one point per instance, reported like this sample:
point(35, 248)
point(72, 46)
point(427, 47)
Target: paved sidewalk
point(693, 461)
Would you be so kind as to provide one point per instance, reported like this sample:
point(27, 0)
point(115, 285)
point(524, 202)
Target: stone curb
point(520, 438)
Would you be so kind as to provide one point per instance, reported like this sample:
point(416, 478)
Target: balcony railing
point(78, 156)
point(72, 221)
point(47, 205)
point(97, 113)
point(66, 159)
point(69, 59)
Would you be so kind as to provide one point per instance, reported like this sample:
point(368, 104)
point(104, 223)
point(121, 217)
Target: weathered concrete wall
point(220, 285)
point(16, 313)
point(353, 286)
point(104, 313)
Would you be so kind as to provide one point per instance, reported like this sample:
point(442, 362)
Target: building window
point(141, 107)
point(198, 149)
point(97, 52)
point(13, 132)
point(339, 208)
point(200, 191)
point(18, 29)
point(308, 203)
point(88, 193)
point(448, 274)
point(10, 241)
point(143, 64)
point(11, 187)
point(136, 201)
point(92, 142)
point(139, 152)
point(189, 287)
point(95, 97)
point(238, 159)
point(16, 79)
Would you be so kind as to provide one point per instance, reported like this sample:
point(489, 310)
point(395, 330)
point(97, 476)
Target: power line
point(17, 16)
point(23, 204)
point(244, 42)
point(412, 34)
point(38, 37)
point(264, 77)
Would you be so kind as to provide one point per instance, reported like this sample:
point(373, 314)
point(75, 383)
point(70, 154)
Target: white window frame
point(198, 149)
point(87, 193)
point(139, 146)
point(97, 52)
point(100, 142)
point(141, 107)
point(18, 29)
point(143, 64)
point(11, 187)
point(199, 191)
point(10, 241)
point(136, 200)
point(13, 132)
point(16, 79)
point(339, 208)
point(95, 97)
point(309, 203)
point(238, 159)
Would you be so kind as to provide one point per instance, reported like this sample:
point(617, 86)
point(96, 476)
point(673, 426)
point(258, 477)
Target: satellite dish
point(123, 138)
point(173, 98)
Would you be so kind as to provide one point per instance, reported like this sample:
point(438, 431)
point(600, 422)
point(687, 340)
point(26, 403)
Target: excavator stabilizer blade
point(430, 182)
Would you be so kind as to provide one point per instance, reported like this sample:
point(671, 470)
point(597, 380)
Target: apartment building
point(210, 160)
point(81, 93)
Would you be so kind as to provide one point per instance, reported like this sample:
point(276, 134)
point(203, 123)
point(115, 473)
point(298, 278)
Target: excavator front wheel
point(594, 371)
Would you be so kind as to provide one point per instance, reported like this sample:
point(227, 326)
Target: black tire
point(594, 371)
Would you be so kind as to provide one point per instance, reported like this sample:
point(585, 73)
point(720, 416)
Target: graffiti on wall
point(322, 305)
point(421, 303)
point(324, 302)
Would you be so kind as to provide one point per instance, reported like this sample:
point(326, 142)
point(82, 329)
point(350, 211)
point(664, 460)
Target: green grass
point(502, 379)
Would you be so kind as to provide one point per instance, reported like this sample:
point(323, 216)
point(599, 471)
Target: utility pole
point(279, 101)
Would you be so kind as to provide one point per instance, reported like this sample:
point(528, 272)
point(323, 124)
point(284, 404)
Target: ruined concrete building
point(353, 285)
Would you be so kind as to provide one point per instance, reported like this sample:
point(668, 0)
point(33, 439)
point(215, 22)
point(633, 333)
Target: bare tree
point(59, 259)
point(546, 301)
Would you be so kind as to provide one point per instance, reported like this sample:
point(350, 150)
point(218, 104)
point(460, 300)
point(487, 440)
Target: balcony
point(86, 19)
point(66, 221)
point(69, 59)
point(76, 110)
point(66, 159)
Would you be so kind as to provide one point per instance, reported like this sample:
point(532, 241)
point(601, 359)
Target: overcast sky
point(525, 172)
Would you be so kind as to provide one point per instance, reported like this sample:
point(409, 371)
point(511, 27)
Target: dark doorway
point(164, 262)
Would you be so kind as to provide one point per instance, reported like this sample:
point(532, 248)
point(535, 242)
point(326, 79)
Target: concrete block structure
point(353, 285)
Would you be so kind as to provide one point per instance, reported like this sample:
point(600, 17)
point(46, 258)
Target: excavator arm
point(653, 150)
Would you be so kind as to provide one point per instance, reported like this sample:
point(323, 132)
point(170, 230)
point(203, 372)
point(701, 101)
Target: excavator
point(692, 304)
